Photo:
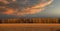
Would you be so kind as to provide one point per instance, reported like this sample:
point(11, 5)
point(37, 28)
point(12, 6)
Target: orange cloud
point(4, 1)
point(9, 11)
point(34, 9)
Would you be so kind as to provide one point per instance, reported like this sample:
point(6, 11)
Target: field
point(29, 27)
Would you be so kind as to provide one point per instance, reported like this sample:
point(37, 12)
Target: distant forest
point(31, 20)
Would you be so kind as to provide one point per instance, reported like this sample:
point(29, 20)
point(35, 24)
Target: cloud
point(29, 10)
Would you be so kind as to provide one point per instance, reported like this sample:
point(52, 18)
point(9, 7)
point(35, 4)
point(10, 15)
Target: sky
point(52, 10)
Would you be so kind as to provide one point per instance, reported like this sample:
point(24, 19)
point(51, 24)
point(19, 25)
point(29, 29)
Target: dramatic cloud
point(23, 7)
